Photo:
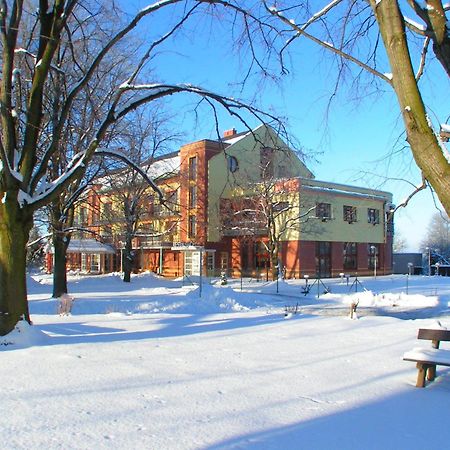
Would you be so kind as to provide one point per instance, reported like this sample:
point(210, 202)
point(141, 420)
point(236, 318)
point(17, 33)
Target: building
point(225, 200)
point(408, 263)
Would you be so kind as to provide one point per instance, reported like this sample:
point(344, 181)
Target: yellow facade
point(247, 152)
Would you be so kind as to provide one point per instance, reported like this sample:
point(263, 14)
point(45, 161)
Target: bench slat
point(434, 335)
point(429, 356)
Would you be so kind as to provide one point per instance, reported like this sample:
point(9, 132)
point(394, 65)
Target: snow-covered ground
point(159, 364)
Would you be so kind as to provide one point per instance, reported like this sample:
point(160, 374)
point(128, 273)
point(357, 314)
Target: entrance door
point(192, 263)
point(323, 259)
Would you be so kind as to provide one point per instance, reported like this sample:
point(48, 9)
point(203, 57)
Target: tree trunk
point(274, 261)
point(15, 227)
point(60, 244)
point(425, 147)
point(127, 260)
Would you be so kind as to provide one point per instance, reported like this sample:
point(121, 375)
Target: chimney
point(229, 133)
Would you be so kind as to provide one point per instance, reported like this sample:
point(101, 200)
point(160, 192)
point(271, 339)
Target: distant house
point(215, 227)
point(407, 263)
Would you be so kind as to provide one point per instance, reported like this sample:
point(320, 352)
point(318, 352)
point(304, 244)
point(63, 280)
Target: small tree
point(437, 238)
point(268, 211)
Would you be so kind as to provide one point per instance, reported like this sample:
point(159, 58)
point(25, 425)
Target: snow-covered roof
point(89, 246)
point(163, 167)
point(344, 189)
point(239, 136)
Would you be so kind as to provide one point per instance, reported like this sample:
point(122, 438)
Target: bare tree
point(437, 236)
point(130, 200)
point(31, 140)
point(354, 32)
point(268, 211)
point(399, 244)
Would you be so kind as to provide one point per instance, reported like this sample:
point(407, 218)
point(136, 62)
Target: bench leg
point(431, 374)
point(421, 374)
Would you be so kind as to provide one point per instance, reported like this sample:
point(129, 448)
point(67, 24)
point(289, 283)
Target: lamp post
point(429, 260)
point(374, 250)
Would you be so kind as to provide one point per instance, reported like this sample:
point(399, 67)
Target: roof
point(164, 166)
point(89, 246)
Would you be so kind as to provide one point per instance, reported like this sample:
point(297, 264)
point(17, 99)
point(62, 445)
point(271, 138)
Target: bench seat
point(429, 355)
point(427, 359)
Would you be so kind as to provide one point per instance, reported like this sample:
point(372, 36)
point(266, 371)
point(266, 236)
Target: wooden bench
point(428, 359)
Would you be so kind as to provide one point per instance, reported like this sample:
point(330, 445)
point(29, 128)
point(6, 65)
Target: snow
point(415, 24)
point(87, 246)
point(428, 354)
point(157, 364)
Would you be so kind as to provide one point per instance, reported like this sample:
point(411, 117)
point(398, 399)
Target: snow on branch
point(119, 154)
point(34, 57)
point(302, 32)
point(319, 14)
point(40, 197)
point(414, 26)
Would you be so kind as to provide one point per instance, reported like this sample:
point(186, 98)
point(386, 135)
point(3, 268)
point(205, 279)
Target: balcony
point(155, 241)
point(163, 211)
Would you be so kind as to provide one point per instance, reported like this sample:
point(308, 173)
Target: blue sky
point(351, 143)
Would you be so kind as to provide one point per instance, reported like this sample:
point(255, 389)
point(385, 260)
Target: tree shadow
point(171, 325)
point(410, 420)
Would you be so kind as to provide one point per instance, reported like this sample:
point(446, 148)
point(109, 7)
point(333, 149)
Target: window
point(192, 196)
point(82, 215)
point(280, 206)
point(193, 168)
point(107, 210)
point(350, 213)
point(323, 211)
point(350, 255)
point(261, 255)
point(232, 163)
point(192, 225)
point(210, 263)
point(90, 262)
point(390, 223)
point(172, 198)
point(373, 252)
point(223, 261)
point(373, 216)
point(323, 259)
point(95, 214)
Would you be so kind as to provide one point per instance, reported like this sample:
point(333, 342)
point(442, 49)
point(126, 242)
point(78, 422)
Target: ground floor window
point(210, 262)
point(323, 259)
point(223, 261)
point(373, 251)
point(261, 255)
point(350, 256)
point(90, 262)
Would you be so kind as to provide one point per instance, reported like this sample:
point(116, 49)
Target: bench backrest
point(434, 335)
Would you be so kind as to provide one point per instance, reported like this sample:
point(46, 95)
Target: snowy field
point(157, 364)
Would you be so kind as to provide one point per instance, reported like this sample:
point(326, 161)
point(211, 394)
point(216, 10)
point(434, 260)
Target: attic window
point(233, 164)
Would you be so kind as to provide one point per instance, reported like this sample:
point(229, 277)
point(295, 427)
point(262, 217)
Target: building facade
point(238, 204)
